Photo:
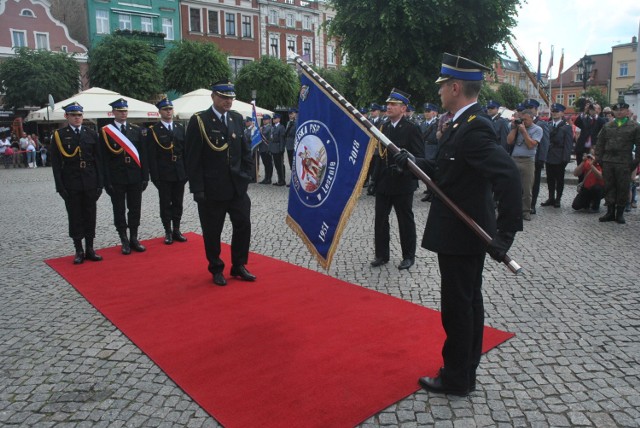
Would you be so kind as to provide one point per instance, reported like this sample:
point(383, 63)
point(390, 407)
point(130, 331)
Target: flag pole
point(393, 149)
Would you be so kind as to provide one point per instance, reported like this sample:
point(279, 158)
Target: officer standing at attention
point(618, 151)
point(394, 188)
point(124, 180)
point(290, 136)
point(469, 167)
point(263, 149)
point(165, 142)
point(277, 147)
point(77, 173)
point(220, 167)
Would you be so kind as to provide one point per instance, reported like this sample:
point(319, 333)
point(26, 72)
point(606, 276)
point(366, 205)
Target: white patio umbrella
point(200, 99)
point(95, 103)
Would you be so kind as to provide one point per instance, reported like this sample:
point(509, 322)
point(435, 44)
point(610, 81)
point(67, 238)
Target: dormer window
point(27, 12)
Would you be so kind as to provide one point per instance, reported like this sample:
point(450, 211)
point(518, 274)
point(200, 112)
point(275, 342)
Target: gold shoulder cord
point(155, 137)
point(106, 141)
point(204, 135)
point(382, 149)
point(62, 150)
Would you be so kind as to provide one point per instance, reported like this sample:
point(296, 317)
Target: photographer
point(525, 136)
point(590, 125)
point(591, 190)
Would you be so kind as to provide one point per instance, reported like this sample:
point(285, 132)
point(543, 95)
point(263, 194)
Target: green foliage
point(127, 66)
point(511, 95)
point(194, 65)
point(399, 43)
point(31, 75)
point(275, 82)
point(487, 94)
point(595, 94)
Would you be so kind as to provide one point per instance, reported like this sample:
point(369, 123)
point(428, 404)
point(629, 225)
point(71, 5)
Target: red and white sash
point(123, 141)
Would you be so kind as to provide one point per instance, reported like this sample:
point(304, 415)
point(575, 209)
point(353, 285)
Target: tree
point(593, 93)
point(399, 43)
point(194, 65)
point(487, 94)
point(275, 82)
point(511, 95)
point(127, 66)
point(31, 75)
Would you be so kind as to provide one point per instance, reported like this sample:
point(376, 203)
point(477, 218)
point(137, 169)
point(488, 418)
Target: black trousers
point(267, 161)
point(403, 206)
point(171, 195)
point(81, 210)
point(535, 190)
point(212, 215)
point(588, 198)
point(555, 180)
point(278, 163)
point(291, 156)
point(126, 197)
point(462, 317)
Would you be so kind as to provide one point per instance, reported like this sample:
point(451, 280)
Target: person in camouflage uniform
point(614, 151)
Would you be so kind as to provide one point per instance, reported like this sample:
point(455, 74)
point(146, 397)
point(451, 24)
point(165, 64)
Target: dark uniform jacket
point(429, 131)
point(218, 158)
point(290, 134)
point(561, 143)
point(502, 127)
point(389, 180)
point(119, 167)
point(266, 133)
point(276, 144)
point(166, 152)
point(469, 165)
point(76, 170)
point(543, 147)
point(589, 127)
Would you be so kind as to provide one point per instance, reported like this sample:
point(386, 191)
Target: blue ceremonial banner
point(256, 137)
point(332, 155)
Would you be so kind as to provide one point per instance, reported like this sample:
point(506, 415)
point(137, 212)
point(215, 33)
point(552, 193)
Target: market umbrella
point(200, 99)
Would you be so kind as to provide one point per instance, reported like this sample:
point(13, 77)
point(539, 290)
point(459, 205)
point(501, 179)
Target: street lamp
point(584, 70)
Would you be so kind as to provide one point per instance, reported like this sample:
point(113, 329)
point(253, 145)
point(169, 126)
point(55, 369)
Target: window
point(42, 41)
point(63, 48)
point(273, 17)
point(236, 64)
point(572, 99)
point(167, 28)
point(194, 21)
point(291, 45)
point(124, 21)
point(102, 21)
point(274, 44)
point(19, 38)
point(306, 22)
point(290, 21)
point(560, 98)
point(27, 12)
point(624, 69)
point(306, 50)
point(246, 27)
point(331, 54)
point(230, 24)
point(146, 24)
point(214, 23)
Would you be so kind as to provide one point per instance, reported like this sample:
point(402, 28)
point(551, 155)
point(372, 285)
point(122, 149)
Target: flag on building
point(539, 76)
point(332, 155)
point(256, 135)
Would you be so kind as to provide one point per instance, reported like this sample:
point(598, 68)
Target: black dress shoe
point(218, 279)
point(178, 236)
point(379, 261)
point(265, 181)
point(79, 258)
point(168, 238)
point(434, 384)
point(406, 264)
point(547, 203)
point(242, 272)
point(92, 255)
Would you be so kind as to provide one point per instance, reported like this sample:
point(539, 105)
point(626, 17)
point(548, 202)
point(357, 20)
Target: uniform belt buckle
point(127, 159)
point(174, 158)
point(83, 164)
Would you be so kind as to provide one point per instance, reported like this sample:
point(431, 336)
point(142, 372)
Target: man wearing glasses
point(77, 173)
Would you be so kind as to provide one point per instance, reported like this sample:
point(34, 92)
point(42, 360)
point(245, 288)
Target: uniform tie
point(223, 120)
point(123, 129)
point(77, 131)
point(169, 127)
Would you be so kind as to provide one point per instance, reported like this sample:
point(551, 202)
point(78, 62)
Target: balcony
point(155, 40)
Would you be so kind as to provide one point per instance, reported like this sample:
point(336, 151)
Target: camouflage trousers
point(617, 177)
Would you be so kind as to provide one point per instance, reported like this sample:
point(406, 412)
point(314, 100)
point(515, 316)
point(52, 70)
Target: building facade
point(569, 86)
point(623, 69)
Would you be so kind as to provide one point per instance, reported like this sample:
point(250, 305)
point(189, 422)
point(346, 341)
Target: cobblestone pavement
point(575, 359)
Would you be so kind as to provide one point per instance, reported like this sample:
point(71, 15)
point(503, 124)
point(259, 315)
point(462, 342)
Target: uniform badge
point(233, 135)
point(455, 125)
point(473, 116)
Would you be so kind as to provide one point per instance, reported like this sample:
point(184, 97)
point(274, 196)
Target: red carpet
point(295, 349)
